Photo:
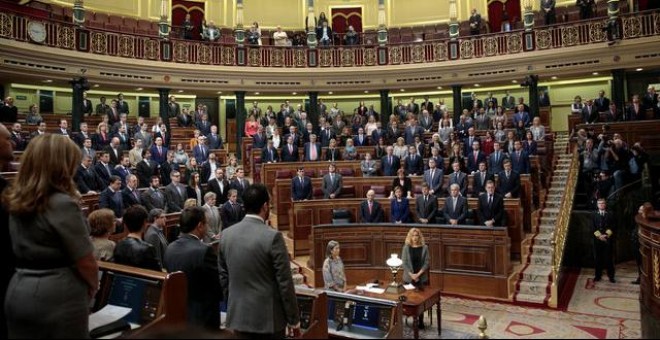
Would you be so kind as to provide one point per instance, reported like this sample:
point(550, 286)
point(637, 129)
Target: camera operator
point(589, 160)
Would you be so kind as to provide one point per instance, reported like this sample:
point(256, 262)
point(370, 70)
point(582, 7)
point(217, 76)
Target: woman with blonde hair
point(334, 277)
point(102, 224)
point(51, 243)
point(415, 258)
point(102, 137)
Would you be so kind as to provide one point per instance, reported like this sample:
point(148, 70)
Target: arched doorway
point(344, 17)
point(500, 10)
point(179, 10)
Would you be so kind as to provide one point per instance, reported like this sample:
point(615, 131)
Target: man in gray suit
point(255, 271)
point(200, 264)
point(332, 183)
point(455, 210)
point(154, 234)
point(212, 217)
point(175, 193)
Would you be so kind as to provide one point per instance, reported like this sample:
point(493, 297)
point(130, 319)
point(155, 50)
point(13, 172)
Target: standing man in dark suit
point(332, 153)
point(264, 275)
point(508, 101)
point(414, 163)
point(312, 149)
point(480, 178)
point(519, 159)
point(301, 187)
point(602, 102)
point(331, 183)
point(491, 207)
point(603, 225)
point(455, 209)
point(86, 179)
point(111, 197)
point(475, 157)
point(411, 131)
point(130, 194)
point(390, 163)
point(289, 151)
point(370, 210)
point(103, 109)
point(175, 193)
point(86, 105)
point(232, 210)
point(154, 234)
point(184, 119)
point(146, 168)
point(122, 170)
point(427, 206)
point(496, 159)
point(115, 151)
point(158, 151)
point(219, 186)
point(153, 198)
point(200, 264)
point(8, 111)
point(434, 177)
point(458, 177)
point(508, 182)
point(548, 8)
point(239, 183)
point(113, 114)
point(269, 154)
point(122, 105)
point(213, 139)
point(174, 107)
point(103, 169)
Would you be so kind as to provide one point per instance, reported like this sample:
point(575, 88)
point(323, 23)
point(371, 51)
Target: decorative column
point(453, 20)
point(533, 84)
point(239, 32)
point(618, 94)
point(382, 28)
point(163, 107)
point(163, 24)
point(78, 85)
point(385, 107)
point(240, 120)
point(528, 15)
point(458, 100)
point(313, 113)
point(79, 13)
point(310, 25)
point(613, 27)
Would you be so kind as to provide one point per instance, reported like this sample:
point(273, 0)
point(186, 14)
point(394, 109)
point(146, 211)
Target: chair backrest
point(340, 216)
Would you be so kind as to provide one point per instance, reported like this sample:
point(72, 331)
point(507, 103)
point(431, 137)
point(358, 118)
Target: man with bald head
point(6, 156)
point(370, 209)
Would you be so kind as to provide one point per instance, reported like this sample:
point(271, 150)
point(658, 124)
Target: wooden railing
point(561, 227)
point(13, 25)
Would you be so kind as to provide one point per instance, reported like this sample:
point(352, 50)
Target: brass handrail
point(563, 220)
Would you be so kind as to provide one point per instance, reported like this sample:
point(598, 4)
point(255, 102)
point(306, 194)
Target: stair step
point(532, 288)
point(298, 279)
point(546, 228)
point(542, 250)
point(535, 272)
point(539, 259)
point(531, 298)
point(543, 240)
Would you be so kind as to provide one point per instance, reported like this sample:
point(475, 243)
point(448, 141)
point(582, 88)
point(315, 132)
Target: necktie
point(270, 151)
point(332, 179)
point(475, 156)
point(370, 208)
point(507, 175)
point(390, 160)
point(178, 188)
point(497, 156)
point(482, 177)
point(160, 151)
point(490, 200)
point(290, 149)
point(312, 152)
point(432, 171)
point(454, 198)
point(137, 197)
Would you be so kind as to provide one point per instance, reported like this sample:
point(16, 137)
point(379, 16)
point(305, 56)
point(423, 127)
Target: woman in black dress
point(415, 257)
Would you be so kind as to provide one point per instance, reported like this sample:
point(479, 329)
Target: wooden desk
point(417, 302)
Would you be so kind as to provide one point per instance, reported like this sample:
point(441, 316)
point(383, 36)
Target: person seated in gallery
point(491, 207)
point(370, 209)
point(351, 36)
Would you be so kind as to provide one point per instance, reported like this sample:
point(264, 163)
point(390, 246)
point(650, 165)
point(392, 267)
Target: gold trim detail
point(514, 43)
point(347, 57)
point(342, 15)
point(188, 10)
point(99, 43)
point(369, 56)
point(151, 49)
point(204, 54)
point(490, 46)
point(656, 272)
point(467, 49)
point(299, 58)
point(325, 57)
point(228, 55)
point(254, 57)
point(596, 33)
point(543, 39)
point(180, 51)
point(65, 37)
point(632, 27)
point(418, 53)
point(569, 36)
point(656, 23)
point(395, 55)
point(126, 46)
point(6, 25)
point(439, 52)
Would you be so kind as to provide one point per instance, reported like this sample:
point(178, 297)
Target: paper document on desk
point(370, 288)
point(409, 286)
point(107, 315)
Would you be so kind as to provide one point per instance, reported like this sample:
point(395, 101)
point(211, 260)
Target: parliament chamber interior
point(492, 130)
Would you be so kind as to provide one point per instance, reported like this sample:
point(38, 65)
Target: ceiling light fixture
point(594, 73)
point(553, 77)
point(639, 69)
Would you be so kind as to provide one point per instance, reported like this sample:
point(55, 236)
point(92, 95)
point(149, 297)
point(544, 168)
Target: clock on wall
point(37, 31)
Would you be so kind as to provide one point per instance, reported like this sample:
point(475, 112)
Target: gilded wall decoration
point(569, 36)
point(151, 49)
point(180, 50)
point(204, 54)
point(65, 37)
point(418, 53)
point(254, 57)
point(99, 42)
point(228, 56)
point(395, 55)
point(543, 39)
point(299, 58)
point(490, 46)
point(632, 27)
point(6, 25)
point(439, 51)
point(369, 56)
point(126, 46)
point(325, 57)
point(656, 272)
point(347, 57)
point(467, 49)
point(596, 33)
point(514, 43)
point(277, 57)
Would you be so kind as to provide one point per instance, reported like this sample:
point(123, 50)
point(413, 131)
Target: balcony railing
point(63, 35)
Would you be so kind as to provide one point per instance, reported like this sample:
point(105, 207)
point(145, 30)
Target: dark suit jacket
point(414, 167)
point(86, 180)
point(289, 156)
point(184, 120)
point(399, 211)
point(301, 191)
point(136, 253)
point(308, 147)
point(214, 142)
point(461, 209)
point(204, 127)
point(122, 106)
point(427, 210)
point(520, 163)
point(511, 185)
point(376, 215)
point(175, 200)
point(472, 164)
point(356, 140)
point(144, 171)
point(235, 184)
point(602, 104)
point(231, 215)
point(332, 154)
point(153, 199)
point(156, 157)
point(155, 236)
point(390, 169)
point(114, 160)
point(602, 224)
point(122, 172)
point(434, 183)
point(264, 276)
point(479, 185)
point(494, 167)
point(220, 195)
point(200, 264)
point(461, 181)
point(259, 140)
point(112, 201)
point(268, 157)
point(409, 134)
point(129, 198)
point(495, 211)
point(331, 187)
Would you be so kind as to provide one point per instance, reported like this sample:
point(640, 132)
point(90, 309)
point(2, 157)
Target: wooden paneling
point(464, 260)
point(631, 132)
